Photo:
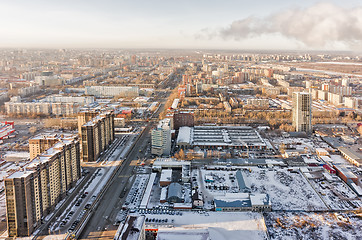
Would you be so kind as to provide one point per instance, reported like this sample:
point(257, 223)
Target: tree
point(32, 130)
point(180, 154)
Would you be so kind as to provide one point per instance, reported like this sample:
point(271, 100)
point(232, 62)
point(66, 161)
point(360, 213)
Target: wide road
point(110, 204)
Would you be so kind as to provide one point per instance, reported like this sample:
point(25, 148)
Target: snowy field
point(287, 191)
point(221, 226)
point(289, 226)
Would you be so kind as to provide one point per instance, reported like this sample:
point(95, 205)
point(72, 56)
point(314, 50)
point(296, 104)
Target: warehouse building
point(351, 155)
point(221, 137)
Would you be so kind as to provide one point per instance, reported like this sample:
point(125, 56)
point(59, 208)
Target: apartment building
point(112, 91)
point(38, 108)
point(302, 112)
point(97, 134)
point(33, 192)
point(44, 141)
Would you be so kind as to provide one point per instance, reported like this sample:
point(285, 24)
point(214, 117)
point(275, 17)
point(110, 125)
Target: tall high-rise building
point(97, 135)
point(161, 138)
point(302, 112)
point(84, 117)
point(42, 142)
point(32, 193)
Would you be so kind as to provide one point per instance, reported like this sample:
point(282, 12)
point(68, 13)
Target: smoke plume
point(320, 25)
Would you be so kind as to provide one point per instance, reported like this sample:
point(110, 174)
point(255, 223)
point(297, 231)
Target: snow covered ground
point(287, 191)
point(290, 226)
point(221, 226)
point(337, 194)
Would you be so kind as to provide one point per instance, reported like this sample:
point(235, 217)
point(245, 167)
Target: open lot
point(287, 190)
point(241, 225)
point(337, 194)
point(290, 226)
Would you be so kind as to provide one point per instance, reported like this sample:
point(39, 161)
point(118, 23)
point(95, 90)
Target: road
point(110, 204)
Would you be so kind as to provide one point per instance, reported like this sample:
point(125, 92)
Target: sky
point(186, 24)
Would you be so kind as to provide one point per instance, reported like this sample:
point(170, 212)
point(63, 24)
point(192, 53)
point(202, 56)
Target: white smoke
point(320, 25)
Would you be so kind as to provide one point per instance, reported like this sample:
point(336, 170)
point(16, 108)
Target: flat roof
point(166, 175)
point(351, 153)
point(220, 136)
point(131, 229)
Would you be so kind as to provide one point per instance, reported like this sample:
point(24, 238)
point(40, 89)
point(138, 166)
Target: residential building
point(302, 112)
point(97, 135)
point(42, 142)
point(33, 192)
point(28, 108)
point(112, 91)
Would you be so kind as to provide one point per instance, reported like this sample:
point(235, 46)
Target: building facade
point(97, 135)
point(112, 91)
point(161, 138)
point(302, 112)
point(32, 193)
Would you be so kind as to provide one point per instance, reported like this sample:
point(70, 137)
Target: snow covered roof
point(21, 155)
point(131, 229)
point(171, 234)
point(259, 199)
point(166, 175)
point(184, 136)
point(243, 185)
point(220, 136)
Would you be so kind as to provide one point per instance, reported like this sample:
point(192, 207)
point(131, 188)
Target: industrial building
point(132, 229)
point(352, 156)
point(97, 135)
point(6, 129)
point(33, 192)
point(174, 194)
point(345, 174)
point(223, 137)
point(242, 202)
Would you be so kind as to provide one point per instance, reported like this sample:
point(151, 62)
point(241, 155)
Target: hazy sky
point(217, 24)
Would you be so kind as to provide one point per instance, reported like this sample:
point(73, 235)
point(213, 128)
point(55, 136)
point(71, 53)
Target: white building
point(65, 109)
point(335, 99)
point(351, 102)
point(28, 108)
point(27, 91)
point(83, 100)
point(112, 91)
point(161, 138)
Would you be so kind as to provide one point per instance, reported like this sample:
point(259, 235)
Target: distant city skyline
point(274, 25)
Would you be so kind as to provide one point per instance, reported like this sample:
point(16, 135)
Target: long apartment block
point(35, 190)
point(97, 134)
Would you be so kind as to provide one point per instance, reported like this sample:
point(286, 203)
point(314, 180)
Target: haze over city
point(277, 25)
point(167, 120)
